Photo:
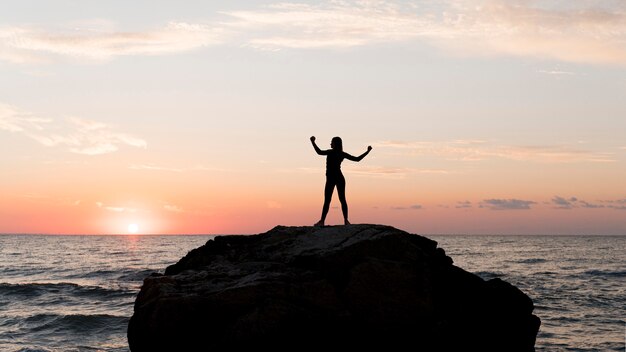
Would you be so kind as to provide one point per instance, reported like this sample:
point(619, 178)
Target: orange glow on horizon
point(258, 214)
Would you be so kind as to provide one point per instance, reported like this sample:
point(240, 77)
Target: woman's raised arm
point(360, 157)
point(317, 149)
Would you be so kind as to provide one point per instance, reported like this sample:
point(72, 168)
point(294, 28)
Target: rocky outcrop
point(367, 287)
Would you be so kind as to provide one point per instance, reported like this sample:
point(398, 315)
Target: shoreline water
point(75, 292)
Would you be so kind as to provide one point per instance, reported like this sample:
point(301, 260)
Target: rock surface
point(302, 288)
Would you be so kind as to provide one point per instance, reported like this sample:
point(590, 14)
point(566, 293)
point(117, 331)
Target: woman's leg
point(328, 195)
point(341, 191)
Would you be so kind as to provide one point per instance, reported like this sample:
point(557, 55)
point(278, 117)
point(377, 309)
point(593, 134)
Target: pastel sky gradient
point(486, 116)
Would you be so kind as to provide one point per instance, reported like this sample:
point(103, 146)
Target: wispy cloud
point(116, 209)
point(562, 203)
point(329, 24)
point(29, 44)
point(557, 72)
point(573, 202)
point(34, 196)
point(468, 150)
point(13, 119)
point(506, 204)
point(78, 135)
point(585, 34)
point(173, 208)
point(585, 204)
point(617, 204)
point(581, 32)
point(463, 205)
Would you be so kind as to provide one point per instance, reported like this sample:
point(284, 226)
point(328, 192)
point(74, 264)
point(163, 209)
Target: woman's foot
point(319, 223)
point(346, 222)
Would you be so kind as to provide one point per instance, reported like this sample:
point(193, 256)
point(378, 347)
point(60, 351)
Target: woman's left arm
point(360, 157)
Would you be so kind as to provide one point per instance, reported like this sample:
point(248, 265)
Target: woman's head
point(336, 144)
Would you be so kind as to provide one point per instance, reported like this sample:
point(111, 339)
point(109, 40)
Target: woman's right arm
point(317, 149)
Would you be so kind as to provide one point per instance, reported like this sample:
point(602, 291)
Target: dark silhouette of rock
point(362, 287)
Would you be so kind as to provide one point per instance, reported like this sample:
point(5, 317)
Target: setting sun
point(133, 228)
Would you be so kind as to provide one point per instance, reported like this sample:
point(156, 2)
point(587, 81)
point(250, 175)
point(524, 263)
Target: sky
point(194, 117)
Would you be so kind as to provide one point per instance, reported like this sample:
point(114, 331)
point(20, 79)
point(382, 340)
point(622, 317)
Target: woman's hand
point(313, 139)
point(369, 147)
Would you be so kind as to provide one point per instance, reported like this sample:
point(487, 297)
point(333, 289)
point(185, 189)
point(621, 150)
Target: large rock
point(368, 287)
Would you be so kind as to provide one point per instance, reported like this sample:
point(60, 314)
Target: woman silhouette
point(334, 177)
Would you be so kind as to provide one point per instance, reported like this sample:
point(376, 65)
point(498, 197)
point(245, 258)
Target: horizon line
point(252, 234)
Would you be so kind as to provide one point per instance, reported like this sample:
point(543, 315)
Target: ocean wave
point(124, 275)
point(76, 323)
point(546, 273)
point(92, 274)
point(22, 272)
point(565, 320)
point(136, 275)
point(550, 308)
point(31, 290)
point(531, 261)
point(610, 273)
point(487, 275)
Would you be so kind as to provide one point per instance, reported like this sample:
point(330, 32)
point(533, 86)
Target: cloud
point(562, 203)
point(557, 72)
point(78, 135)
point(330, 24)
point(463, 205)
point(573, 202)
point(28, 44)
point(506, 204)
point(411, 207)
point(173, 208)
point(617, 204)
point(583, 34)
point(589, 205)
point(478, 150)
point(13, 119)
point(116, 209)
point(580, 32)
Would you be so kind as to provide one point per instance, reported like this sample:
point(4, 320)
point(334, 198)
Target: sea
point(76, 293)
